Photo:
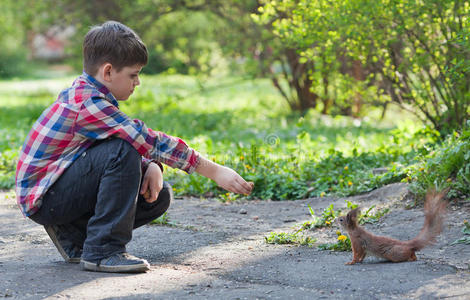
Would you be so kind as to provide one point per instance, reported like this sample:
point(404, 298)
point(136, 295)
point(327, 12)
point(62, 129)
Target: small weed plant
point(370, 218)
point(162, 220)
point(326, 219)
point(295, 238)
point(466, 232)
point(448, 165)
point(343, 243)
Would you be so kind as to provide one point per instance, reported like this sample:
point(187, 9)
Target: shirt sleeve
point(99, 119)
point(146, 162)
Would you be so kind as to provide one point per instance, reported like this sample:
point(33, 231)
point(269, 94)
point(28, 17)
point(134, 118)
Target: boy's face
point(122, 84)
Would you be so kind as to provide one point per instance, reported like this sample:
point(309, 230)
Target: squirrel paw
point(350, 263)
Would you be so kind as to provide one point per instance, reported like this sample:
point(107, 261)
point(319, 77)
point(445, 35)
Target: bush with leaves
point(415, 52)
point(448, 165)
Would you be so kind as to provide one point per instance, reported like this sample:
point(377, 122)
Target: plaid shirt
point(82, 114)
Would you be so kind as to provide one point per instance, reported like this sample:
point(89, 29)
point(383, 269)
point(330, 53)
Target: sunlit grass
point(244, 124)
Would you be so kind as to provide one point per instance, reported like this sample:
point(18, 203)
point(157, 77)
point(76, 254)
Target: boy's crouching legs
point(110, 228)
point(145, 213)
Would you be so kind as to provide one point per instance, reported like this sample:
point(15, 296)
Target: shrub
point(448, 165)
point(13, 63)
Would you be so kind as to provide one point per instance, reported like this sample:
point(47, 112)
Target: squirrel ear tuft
point(352, 215)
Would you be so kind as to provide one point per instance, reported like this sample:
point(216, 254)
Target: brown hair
point(114, 43)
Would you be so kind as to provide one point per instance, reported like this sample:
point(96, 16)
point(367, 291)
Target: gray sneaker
point(70, 252)
point(117, 263)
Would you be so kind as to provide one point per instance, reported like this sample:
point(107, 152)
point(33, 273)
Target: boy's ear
point(106, 71)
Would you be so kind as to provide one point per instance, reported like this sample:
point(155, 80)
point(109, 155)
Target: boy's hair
point(114, 43)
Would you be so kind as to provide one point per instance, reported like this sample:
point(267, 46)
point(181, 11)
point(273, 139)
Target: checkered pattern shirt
point(82, 114)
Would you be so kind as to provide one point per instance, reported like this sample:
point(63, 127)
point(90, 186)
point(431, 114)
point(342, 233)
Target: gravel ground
point(217, 250)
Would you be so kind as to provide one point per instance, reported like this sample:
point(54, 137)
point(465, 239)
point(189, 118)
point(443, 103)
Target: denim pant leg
point(110, 228)
point(102, 187)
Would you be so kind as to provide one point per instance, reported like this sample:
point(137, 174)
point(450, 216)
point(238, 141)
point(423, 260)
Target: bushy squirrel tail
point(434, 212)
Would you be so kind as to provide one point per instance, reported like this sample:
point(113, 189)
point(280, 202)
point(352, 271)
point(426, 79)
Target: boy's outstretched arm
point(225, 177)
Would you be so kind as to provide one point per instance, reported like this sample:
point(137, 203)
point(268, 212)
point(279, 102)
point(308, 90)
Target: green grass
point(466, 233)
point(245, 125)
point(283, 238)
point(343, 243)
point(162, 220)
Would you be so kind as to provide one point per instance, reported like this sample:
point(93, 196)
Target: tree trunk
point(300, 82)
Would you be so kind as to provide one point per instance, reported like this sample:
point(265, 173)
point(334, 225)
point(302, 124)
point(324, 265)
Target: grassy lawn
point(245, 125)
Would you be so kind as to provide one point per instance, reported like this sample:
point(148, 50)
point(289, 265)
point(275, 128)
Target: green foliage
point(357, 53)
point(466, 232)
point(13, 62)
point(326, 220)
point(162, 220)
point(289, 238)
point(448, 165)
point(415, 52)
point(343, 243)
point(13, 55)
point(180, 37)
point(18, 111)
point(184, 42)
point(294, 172)
point(368, 218)
point(7, 168)
point(242, 124)
point(370, 215)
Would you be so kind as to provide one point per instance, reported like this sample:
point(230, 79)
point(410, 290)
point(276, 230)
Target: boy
point(80, 170)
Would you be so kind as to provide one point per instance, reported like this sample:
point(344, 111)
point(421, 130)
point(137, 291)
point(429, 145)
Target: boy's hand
point(152, 183)
point(229, 180)
point(225, 177)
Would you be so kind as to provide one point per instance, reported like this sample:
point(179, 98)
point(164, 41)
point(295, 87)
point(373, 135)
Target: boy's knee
point(122, 151)
point(125, 148)
point(165, 196)
point(147, 212)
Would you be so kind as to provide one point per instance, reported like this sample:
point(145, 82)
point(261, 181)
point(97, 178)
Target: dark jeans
point(96, 202)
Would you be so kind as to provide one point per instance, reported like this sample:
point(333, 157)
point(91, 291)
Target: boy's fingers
point(244, 187)
point(144, 187)
point(152, 196)
point(251, 186)
point(247, 185)
point(153, 191)
point(146, 195)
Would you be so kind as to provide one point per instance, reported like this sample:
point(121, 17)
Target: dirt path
point(218, 251)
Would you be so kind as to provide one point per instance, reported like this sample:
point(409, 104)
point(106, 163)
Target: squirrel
point(363, 242)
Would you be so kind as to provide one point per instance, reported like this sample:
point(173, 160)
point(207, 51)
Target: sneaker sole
point(89, 266)
point(55, 240)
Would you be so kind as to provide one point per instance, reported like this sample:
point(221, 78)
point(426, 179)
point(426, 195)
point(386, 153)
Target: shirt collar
point(101, 88)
